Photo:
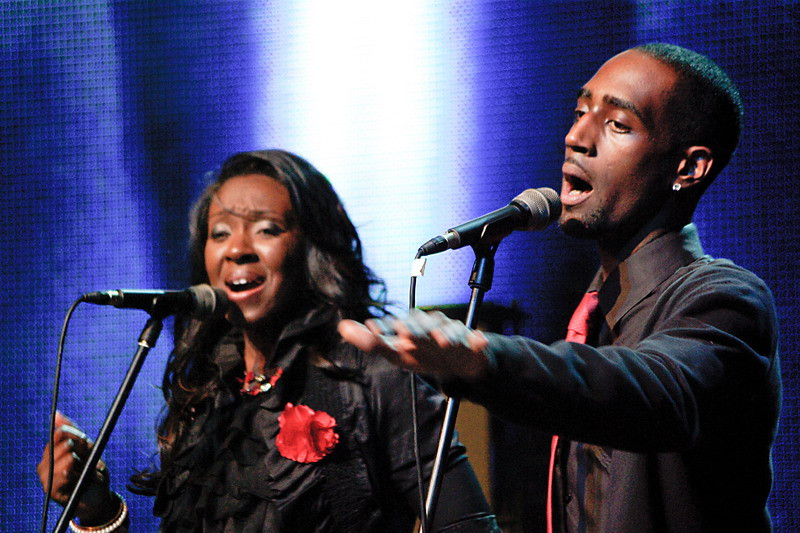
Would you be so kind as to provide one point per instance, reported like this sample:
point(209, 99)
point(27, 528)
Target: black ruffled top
point(228, 475)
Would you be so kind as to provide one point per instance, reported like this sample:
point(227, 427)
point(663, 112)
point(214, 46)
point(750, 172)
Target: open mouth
point(575, 188)
point(577, 185)
point(244, 283)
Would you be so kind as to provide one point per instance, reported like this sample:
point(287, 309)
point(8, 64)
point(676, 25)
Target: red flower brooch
point(306, 436)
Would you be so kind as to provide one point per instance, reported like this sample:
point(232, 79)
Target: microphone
point(199, 301)
point(532, 209)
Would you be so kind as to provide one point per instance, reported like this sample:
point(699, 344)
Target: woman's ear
point(694, 168)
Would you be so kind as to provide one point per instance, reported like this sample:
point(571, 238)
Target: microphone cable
point(53, 409)
point(423, 518)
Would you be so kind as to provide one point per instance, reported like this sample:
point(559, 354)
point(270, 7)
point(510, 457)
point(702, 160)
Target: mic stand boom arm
point(480, 281)
point(147, 340)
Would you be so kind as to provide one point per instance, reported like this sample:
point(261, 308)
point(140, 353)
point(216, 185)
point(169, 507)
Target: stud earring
point(676, 187)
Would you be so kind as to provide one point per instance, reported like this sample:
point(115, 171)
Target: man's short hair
point(705, 107)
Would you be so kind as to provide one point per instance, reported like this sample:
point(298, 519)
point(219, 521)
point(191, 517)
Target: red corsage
point(306, 436)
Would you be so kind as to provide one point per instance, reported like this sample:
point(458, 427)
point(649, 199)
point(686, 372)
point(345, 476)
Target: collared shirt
point(586, 470)
point(681, 393)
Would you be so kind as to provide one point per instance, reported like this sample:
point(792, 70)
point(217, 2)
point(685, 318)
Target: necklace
point(254, 384)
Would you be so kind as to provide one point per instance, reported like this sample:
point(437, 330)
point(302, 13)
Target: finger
point(81, 451)
point(391, 336)
point(63, 433)
point(65, 443)
point(71, 467)
point(358, 335)
point(101, 472)
point(64, 462)
point(65, 424)
point(65, 472)
point(420, 323)
point(62, 420)
point(375, 335)
point(429, 319)
point(451, 333)
point(417, 323)
point(74, 433)
point(59, 438)
point(71, 464)
point(477, 341)
point(382, 327)
point(401, 329)
point(79, 460)
point(82, 444)
point(378, 336)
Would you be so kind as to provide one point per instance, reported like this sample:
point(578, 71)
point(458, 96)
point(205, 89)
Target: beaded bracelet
point(107, 528)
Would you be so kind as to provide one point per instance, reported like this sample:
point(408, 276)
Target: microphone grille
point(209, 301)
point(544, 205)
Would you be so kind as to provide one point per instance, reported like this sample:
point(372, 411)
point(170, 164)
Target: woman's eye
point(271, 229)
point(218, 232)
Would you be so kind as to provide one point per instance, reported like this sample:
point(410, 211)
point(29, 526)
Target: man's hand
point(426, 343)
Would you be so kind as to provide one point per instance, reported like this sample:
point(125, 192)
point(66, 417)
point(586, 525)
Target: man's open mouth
point(577, 185)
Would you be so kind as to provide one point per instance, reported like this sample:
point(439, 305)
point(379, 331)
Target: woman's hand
point(70, 451)
point(426, 343)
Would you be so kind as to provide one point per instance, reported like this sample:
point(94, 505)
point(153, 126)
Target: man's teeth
point(241, 281)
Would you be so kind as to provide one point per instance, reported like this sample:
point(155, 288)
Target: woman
point(273, 423)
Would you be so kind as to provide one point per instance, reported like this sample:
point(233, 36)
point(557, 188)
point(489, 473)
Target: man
point(667, 410)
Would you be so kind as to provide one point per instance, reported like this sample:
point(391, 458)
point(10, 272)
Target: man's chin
point(578, 229)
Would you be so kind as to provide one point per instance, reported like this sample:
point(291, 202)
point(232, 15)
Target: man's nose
point(580, 137)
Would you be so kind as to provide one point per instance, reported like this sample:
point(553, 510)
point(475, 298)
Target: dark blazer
point(682, 394)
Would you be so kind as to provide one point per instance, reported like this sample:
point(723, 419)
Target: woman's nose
point(240, 248)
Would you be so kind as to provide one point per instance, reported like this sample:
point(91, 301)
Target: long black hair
point(333, 275)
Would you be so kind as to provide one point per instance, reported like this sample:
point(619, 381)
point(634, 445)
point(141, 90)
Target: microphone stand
point(480, 281)
point(147, 340)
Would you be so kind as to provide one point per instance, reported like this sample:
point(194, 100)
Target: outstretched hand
point(426, 343)
point(70, 451)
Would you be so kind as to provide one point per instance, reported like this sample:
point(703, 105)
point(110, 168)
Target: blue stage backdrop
point(423, 116)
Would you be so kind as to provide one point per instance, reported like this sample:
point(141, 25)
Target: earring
point(676, 186)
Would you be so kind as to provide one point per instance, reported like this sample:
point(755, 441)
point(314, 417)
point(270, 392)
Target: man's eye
point(619, 127)
point(577, 114)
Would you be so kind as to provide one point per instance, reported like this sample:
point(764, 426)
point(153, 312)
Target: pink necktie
point(581, 321)
point(578, 330)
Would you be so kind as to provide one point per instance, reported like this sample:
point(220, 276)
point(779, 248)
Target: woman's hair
point(333, 276)
point(335, 273)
